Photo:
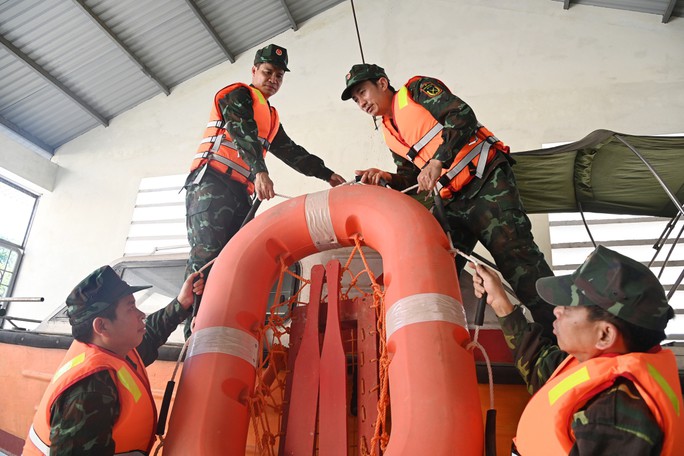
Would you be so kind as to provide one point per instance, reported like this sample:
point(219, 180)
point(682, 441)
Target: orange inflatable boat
point(435, 407)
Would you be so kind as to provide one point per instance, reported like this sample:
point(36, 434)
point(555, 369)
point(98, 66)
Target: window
point(17, 207)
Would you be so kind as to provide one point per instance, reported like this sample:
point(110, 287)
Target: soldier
point(608, 387)
point(229, 164)
point(436, 141)
point(99, 401)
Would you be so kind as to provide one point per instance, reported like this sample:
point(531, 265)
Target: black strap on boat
point(252, 211)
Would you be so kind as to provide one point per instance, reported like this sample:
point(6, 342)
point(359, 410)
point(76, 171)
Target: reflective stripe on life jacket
point(217, 148)
point(545, 425)
point(416, 137)
point(133, 431)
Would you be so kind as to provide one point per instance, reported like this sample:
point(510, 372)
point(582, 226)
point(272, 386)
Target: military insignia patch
point(279, 52)
point(430, 89)
point(348, 77)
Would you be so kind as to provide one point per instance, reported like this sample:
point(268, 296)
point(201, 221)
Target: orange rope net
point(268, 401)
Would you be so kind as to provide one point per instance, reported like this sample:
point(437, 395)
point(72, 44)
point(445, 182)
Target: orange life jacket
point(218, 149)
point(417, 137)
point(544, 427)
point(133, 433)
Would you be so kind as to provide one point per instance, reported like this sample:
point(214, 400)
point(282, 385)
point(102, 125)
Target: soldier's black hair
point(83, 332)
point(637, 339)
point(375, 80)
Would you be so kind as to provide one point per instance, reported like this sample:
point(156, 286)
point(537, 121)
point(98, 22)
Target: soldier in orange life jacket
point(99, 401)
point(608, 387)
point(229, 164)
point(436, 141)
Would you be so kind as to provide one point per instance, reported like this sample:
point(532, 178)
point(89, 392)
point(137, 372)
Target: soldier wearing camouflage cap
point(608, 387)
point(437, 143)
point(99, 400)
point(229, 165)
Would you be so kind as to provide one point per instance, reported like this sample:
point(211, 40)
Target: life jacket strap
point(223, 142)
point(482, 150)
point(225, 161)
point(422, 142)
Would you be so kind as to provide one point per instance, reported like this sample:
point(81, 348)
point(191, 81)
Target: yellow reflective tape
point(74, 362)
point(402, 97)
point(128, 382)
point(260, 96)
point(669, 392)
point(571, 381)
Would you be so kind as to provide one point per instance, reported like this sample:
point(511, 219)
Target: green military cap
point(272, 54)
point(359, 73)
point(101, 289)
point(620, 285)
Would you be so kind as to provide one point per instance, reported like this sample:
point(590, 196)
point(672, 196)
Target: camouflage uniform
point(217, 205)
point(489, 209)
point(615, 421)
point(83, 416)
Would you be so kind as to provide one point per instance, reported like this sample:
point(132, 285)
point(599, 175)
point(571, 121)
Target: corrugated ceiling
point(67, 66)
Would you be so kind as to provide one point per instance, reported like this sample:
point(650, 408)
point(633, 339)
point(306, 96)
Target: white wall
point(533, 72)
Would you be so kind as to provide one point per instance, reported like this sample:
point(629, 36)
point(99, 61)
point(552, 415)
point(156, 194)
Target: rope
point(406, 190)
point(475, 343)
point(358, 35)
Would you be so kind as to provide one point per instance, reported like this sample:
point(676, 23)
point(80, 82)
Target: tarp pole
point(655, 174)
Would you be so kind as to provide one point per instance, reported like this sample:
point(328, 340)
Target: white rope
point(406, 190)
point(475, 344)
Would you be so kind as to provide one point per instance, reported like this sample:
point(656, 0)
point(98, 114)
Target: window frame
point(19, 249)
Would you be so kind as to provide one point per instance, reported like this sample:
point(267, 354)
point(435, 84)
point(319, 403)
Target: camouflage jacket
point(459, 123)
point(83, 416)
point(615, 421)
point(238, 114)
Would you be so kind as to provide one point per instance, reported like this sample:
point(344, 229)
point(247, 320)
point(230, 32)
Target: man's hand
point(336, 180)
point(373, 176)
point(429, 175)
point(185, 296)
point(486, 280)
point(263, 185)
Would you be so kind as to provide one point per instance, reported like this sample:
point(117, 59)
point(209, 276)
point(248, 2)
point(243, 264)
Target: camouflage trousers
point(495, 216)
point(215, 210)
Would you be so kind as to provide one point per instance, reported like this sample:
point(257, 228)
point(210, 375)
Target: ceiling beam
point(52, 80)
point(289, 15)
point(25, 138)
point(115, 39)
point(668, 11)
point(195, 9)
point(566, 4)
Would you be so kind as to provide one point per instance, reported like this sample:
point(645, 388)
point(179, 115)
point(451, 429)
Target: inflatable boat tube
point(435, 404)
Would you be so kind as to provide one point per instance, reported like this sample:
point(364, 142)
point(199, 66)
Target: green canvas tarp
point(599, 173)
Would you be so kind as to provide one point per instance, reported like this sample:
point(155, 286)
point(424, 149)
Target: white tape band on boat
point(319, 222)
point(229, 341)
point(424, 307)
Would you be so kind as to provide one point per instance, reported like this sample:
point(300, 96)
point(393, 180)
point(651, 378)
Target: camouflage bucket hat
point(100, 290)
point(359, 73)
point(616, 283)
point(272, 54)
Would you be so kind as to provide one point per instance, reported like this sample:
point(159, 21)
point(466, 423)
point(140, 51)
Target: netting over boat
point(361, 310)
